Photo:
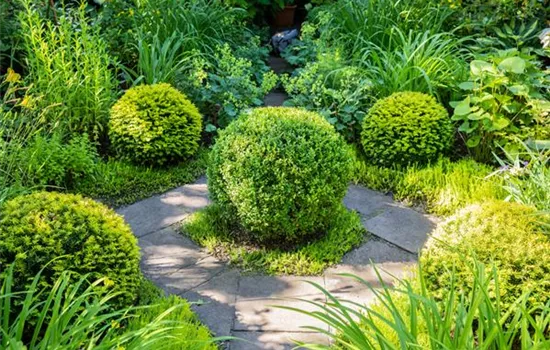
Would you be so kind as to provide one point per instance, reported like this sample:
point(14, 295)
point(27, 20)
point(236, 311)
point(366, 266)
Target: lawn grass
point(441, 188)
point(209, 229)
point(118, 183)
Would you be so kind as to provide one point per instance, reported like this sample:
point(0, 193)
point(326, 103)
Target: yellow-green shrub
point(155, 125)
point(506, 234)
point(405, 128)
point(58, 232)
point(281, 172)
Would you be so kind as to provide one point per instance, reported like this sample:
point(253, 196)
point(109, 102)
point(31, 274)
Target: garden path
point(235, 304)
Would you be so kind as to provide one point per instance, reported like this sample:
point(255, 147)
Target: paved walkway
point(231, 303)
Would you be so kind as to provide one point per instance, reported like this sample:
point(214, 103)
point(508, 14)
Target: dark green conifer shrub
point(281, 172)
point(58, 232)
point(405, 128)
point(155, 125)
point(506, 234)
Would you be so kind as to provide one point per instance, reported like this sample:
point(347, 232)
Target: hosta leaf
point(477, 67)
point(467, 85)
point(473, 141)
point(463, 107)
point(513, 65)
point(500, 123)
point(519, 90)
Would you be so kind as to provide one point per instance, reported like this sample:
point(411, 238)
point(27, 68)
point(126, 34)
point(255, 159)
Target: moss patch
point(227, 241)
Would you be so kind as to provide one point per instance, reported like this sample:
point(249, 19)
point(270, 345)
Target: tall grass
point(356, 22)
point(75, 316)
point(69, 68)
point(413, 61)
point(410, 317)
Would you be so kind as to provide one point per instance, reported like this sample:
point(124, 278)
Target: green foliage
point(410, 316)
point(8, 32)
point(57, 232)
point(72, 315)
point(527, 181)
point(49, 161)
point(155, 124)
point(227, 85)
point(414, 61)
point(442, 187)
point(117, 183)
point(185, 331)
point(340, 93)
point(69, 68)
point(505, 99)
point(484, 16)
point(211, 228)
point(282, 172)
point(406, 128)
point(506, 234)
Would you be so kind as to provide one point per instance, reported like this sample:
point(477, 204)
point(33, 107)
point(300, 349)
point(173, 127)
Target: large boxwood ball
point(506, 234)
point(155, 125)
point(405, 128)
point(281, 172)
point(60, 232)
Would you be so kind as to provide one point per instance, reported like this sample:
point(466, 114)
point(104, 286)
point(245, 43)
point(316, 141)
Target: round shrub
point(506, 234)
point(282, 172)
point(155, 125)
point(404, 128)
point(60, 232)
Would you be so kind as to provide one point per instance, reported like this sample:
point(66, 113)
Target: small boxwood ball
point(508, 235)
point(281, 172)
point(155, 125)
point(406, 128)
point(60, 232)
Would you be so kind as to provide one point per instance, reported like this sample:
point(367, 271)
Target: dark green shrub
point(60, 232)
point(506, 234)
point(405, 128)
point(155, 124)
point(282, 172)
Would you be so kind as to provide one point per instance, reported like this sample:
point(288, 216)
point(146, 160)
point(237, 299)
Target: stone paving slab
point(214, 301)
point(376, 250)
point(258, 294)
point(401, 226)
point(274, 340)
point(366, 202)
point(161, 211)
point(275, 99)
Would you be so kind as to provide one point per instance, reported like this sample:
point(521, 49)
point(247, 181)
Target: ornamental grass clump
point(406, 128)
point(53, 232)
point(281, 173)
point(155, 125)
point(508, 235)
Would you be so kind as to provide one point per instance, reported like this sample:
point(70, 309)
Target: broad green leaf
point(467, 85)
point(500, 123)
point(513, 65)
point(519, 90)
point(477, 67)
point(479, 115)
point(473, 141)
point(210, 128)
point(463, 107)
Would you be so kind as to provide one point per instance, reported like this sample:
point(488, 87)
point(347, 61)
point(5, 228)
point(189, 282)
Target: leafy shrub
point(224, 87)
point(183, 329)
point(282, 172)
point(505, 99)
point(155, 124)
point(506, 234)
point(405, 128)
point(49, 161)
point(57, 232)
point(69, 68)
point(340, 93)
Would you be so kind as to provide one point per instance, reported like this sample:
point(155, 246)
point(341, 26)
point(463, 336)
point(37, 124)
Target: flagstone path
point(235, 304)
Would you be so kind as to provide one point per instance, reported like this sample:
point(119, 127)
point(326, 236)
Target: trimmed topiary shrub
point(281, 172)
point(155, 125)
point(405, 128)
point(507, 234)
point(60, 232)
